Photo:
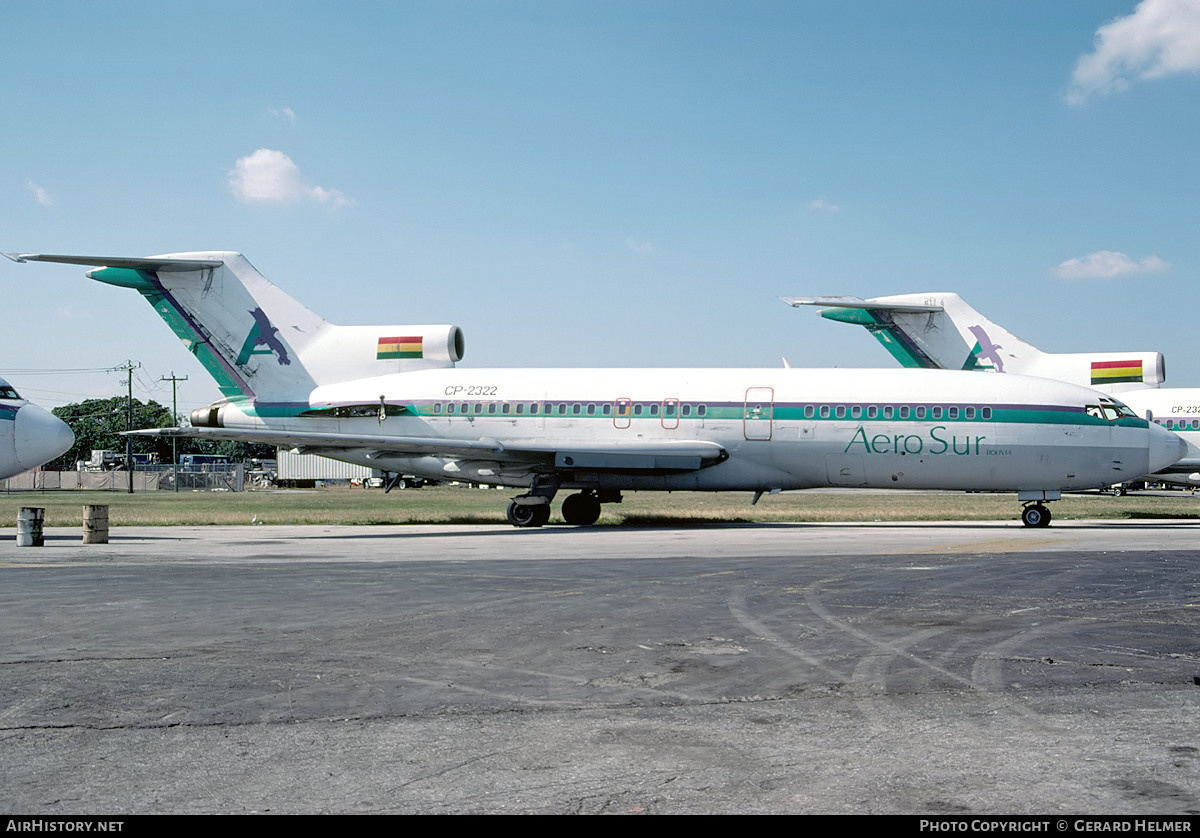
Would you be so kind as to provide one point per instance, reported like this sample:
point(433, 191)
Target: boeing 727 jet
point(392, 397)
point(29, 435)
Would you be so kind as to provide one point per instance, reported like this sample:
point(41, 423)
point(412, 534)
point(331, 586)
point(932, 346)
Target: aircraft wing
point(679, 456)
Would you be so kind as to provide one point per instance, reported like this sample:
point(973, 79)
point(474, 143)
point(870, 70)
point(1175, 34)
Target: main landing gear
point(1035, 515)
point(528, 514)
point(580, 509)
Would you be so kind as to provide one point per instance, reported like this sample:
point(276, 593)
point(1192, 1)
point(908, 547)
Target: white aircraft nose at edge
point(29, 435)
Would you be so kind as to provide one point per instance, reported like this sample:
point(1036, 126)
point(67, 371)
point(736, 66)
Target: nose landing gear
point(1035, 515)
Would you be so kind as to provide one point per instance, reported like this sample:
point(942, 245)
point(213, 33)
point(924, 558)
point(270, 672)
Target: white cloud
point(642, 247)
point(286, 113)
point(821, 205)
point(268, 176)
point(40, 195)
point(1160, 38)
point(1108, 263)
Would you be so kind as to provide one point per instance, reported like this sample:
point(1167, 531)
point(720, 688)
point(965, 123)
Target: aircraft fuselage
point(768, 428)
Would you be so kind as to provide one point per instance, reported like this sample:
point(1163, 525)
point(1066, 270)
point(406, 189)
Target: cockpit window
point(1110, 410)
point(7, 392)
point(1114, 410)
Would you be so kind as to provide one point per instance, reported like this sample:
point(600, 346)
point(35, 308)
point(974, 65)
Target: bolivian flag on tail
point(1116, 372)
point(391, 349)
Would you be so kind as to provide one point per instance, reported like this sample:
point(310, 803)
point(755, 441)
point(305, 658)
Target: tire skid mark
point(736, 602)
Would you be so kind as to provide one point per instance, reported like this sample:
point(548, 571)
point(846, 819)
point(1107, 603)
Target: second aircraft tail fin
point(940, 330)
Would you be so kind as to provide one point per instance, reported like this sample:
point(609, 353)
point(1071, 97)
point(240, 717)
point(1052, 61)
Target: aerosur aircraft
point(29, 435)
point(391, 397)
point(941, 331)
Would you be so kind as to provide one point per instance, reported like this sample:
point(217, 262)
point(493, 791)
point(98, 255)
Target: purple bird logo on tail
point(263, 340)
point(985, 349)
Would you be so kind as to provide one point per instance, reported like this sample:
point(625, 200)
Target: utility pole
point(129, 367)
point(174, 418)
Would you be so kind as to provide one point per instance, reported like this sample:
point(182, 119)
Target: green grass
point(456, 505)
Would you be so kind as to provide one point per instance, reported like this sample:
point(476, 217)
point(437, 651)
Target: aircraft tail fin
point(940, 330)
point(258, 343)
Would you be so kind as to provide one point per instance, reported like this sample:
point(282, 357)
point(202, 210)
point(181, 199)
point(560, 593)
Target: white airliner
point(941, 331)
point(390, 397)
point(29, 435)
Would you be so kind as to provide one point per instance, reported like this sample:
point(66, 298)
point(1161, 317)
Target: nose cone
point(1166, 448)
point(40, 436)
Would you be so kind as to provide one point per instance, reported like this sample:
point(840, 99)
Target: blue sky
point(603, 183)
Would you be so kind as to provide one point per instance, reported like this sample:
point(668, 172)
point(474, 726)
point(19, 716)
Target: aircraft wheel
point(528, 515)
point(1035, 516)
point(581, 509)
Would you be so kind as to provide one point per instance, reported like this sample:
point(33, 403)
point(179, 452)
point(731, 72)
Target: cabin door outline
point(758, 413)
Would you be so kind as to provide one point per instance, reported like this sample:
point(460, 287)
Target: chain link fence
point(208, 478)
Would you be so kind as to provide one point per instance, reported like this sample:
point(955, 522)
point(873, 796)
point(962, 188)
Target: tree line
point(98, 424)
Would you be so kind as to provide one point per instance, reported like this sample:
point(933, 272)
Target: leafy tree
point(98, 423)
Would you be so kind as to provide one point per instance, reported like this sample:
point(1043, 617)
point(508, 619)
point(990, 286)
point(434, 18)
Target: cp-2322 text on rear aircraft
point(939, 330)
point(391, 397)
